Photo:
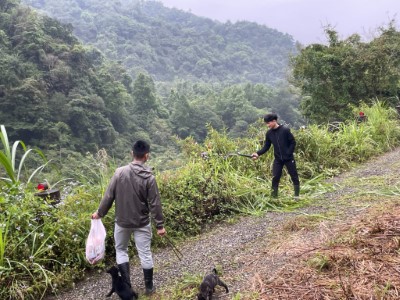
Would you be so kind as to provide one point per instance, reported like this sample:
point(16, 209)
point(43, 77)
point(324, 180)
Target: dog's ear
point(215, 271)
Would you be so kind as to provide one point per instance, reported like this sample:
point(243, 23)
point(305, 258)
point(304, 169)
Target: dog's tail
point(215, 271)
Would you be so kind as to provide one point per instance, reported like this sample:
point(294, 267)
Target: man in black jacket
point(284, 143)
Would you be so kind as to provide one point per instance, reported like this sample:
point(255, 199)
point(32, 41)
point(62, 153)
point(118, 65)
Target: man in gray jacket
point(135, 192)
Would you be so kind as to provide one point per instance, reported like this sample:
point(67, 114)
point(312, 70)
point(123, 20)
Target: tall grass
point(3, 242)
point(210, 188)
point(320, 150)
point(42, 247)
point(8, 159)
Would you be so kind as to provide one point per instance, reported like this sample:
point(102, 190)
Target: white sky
point(303, 19)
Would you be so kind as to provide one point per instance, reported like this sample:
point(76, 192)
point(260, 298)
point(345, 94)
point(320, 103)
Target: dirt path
point(259, 245)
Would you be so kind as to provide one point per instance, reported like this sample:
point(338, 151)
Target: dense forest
point(55, 92)
point(59, 94)
point(171, 44)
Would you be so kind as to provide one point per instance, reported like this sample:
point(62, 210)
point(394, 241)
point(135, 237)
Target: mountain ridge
point(171, 44)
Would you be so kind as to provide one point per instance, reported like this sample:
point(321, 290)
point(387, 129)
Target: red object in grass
point(42, 186)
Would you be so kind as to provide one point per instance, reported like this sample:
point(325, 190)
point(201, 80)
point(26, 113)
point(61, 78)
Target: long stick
point(178, 253)
point(245, 155)
point(239, 154)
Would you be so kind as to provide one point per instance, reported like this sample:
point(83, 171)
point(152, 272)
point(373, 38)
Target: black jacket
point(283, 141)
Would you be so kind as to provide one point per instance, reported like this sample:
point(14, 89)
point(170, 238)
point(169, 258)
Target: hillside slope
point(172, 44)
point(259, 255)
point(54, 92)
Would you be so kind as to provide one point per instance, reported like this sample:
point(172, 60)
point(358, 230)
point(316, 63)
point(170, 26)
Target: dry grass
point(301, 223)
point(360, 260)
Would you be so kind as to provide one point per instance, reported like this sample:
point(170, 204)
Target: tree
point(335, 77)
point(6, 5)
point(144, 94)
point(181, 116)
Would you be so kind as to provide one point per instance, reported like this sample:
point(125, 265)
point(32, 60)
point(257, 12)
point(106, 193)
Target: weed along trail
point(341, 244)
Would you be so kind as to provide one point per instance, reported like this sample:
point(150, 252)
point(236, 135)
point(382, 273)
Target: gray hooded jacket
point(135, 191)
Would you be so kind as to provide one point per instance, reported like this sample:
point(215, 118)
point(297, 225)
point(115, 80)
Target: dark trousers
point(277, 168)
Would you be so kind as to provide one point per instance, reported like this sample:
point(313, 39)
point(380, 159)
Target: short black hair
point(140, 148)
point(270, 117)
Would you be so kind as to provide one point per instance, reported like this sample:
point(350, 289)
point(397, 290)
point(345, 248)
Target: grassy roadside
point(349, 250)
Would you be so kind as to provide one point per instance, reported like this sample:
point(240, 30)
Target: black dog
point(119, 286)
point(207, 287)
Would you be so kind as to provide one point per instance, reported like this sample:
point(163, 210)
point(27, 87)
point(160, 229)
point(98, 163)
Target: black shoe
point(274, 192)
point(296, 192)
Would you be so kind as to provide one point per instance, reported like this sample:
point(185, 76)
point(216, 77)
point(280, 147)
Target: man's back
point(134, 189)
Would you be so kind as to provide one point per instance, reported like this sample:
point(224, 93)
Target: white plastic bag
point(95, 244)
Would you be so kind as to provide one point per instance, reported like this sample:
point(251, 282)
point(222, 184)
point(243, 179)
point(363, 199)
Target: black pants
point(277, 168)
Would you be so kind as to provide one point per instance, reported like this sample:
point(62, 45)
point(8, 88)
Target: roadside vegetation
point(42, 244)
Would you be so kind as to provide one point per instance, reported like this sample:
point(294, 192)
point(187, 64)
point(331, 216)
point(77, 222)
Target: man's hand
point(95, 215)
point(161, 231)
point(254, 156)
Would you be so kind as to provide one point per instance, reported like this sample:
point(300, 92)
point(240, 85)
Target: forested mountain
point(169, 44)
point(54, 92)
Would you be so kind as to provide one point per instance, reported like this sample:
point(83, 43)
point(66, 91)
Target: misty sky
point(303, 19)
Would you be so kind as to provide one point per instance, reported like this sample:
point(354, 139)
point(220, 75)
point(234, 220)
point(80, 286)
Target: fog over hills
point(303, 19)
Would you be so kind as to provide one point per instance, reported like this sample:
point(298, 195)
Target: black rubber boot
point(126, 276)
point(148, 281)
point(296, 191)
point(274, 192)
